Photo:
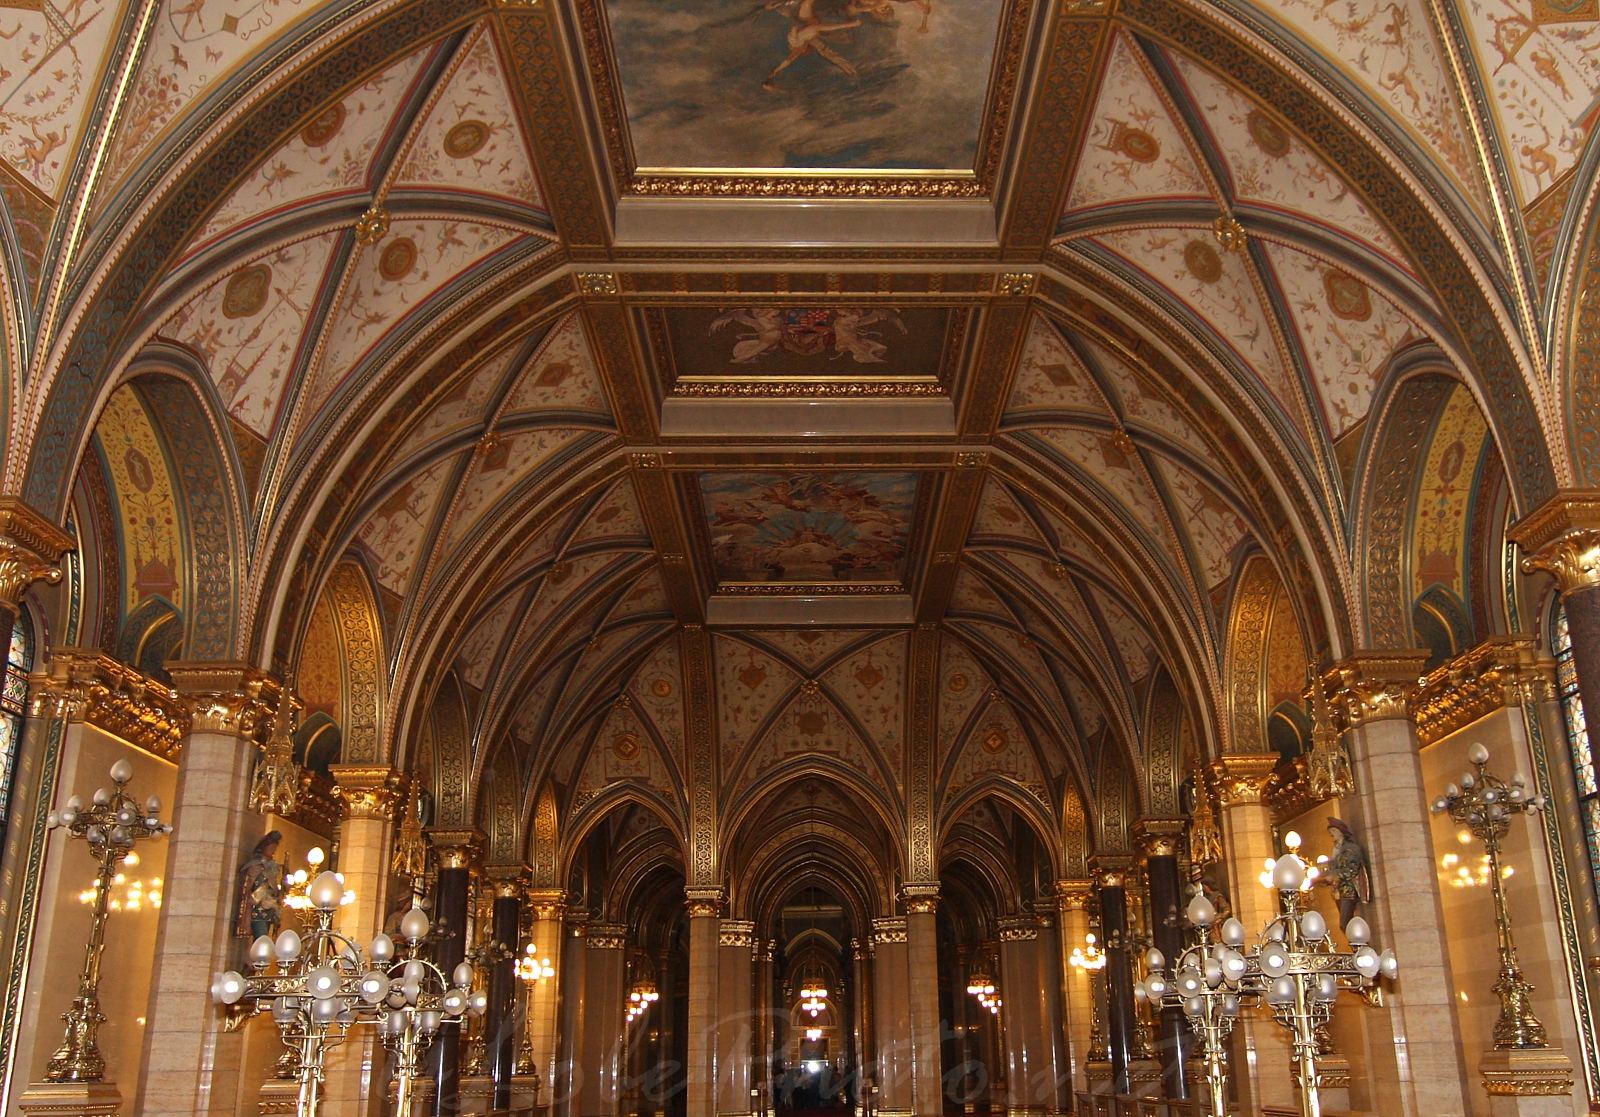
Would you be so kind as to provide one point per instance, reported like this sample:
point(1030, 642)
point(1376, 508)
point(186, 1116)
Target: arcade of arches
point(791, 511)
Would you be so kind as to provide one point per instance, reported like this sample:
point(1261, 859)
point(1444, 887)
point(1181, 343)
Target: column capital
point(1375, 685)
point(1562, 536)
point(920, 898)
point(1242, 779)
point(1111, 869)
point(1501, 672)
point(889, 929)
point(1159, 837)
point(703, 903)
point(86, 685)
point(233, 699)
point(606, 936)
point(31, 546)
point(737, 933)
point(1018, 928)
point(546, 903)
point(458, 848)
point(1073, 894)
point(509, 881)
point(368, 790)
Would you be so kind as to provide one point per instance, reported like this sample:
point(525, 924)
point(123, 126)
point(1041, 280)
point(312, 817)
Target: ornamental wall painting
point(808, 528)
point(808, 343)
point(853, 85)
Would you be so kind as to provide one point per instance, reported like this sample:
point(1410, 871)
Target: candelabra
point(1210, 984)
point(1485, 803)
point(417, 1004)
point(1300, 973)
point(111, 824)
point(322, 985)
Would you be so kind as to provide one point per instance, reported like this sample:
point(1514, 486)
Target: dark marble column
point(1159, 839)
point(1562, 536)
point(499, 1023)
point(458, 850)
point(1112, 888)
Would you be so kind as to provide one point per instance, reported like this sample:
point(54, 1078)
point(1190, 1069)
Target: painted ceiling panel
point(871, 685)
point(1214, 529)
point(1347, 330)
point(1142, 404)
point(996, 746)
point(1119, 469)
point(1134, 150)
point(1091, 716)
point(250, 326)
point(1056, 584)
point(1133, 645)
point(1542, 73)
point(330, 156)
point(1389, 50)
point(750, 684)
point(1219, 288)
point(562, 376)
point(1268, 165)
point(564, 581)
point(394, 532)
point(963, 686)
point(972, 597)
point(1000, 517)
point(390, 279)
point(483, 642)
point(615, 518)
point(811, 727)
point(807, 647)
point(512, 458)
point(470, 140)
point(657, 692)
point(623, 752)
point(194, 46)
point(1050, 377)
point(49, 85)
point(462, 408)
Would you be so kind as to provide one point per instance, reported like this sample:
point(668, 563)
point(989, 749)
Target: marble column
point(1059, 1097)
point(1158, 839)
point(1421, 1070)
point(191, 1065)
point(1111, 883)
point(1072, 925)
point(922, 995)
point(892, 1015)
point(500, 1020)
point(705, 910)
point(1262, 1074)
point(568, 1078)
point(866, 1009)
point(735, 1021)
point(458, 852)
point(1028, 1073)
point(548, 906)
point(761, 1072)
point(605, 996)
point(368, 796)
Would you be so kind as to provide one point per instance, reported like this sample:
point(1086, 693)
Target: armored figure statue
point(260, 908)
point(1346, 870)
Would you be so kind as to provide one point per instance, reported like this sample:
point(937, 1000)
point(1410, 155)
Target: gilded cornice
point(1159, 837)
point(86, 685)
point(703, 902)
point(546, 903)
point(458, 848)
point(315, 805)
point(230, 698)
point(890, 929)
point(1241, 780)
point(1501, 672)
point(368, 790)
point(606, 936)
point(920, 899)
point(1373, 685)
point(1562, 536)
point(1292, 796)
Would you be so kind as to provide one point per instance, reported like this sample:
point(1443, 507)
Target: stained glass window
point(13, 696)
point(1578, 739)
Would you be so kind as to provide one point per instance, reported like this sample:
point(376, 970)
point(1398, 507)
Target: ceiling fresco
point(859, 85)
point(831, 530)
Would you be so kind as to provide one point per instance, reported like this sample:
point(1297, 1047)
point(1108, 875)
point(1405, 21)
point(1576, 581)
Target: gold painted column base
point(71, 1099)
point(1536, 1082)
point(278, 1096)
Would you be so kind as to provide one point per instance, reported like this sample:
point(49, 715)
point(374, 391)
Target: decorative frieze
point(1501, 672)
point(86, 685)
point(890, 929)
point(1019, 928)
point(606, 936)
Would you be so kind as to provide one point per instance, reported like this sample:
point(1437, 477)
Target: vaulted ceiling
point(575, 323)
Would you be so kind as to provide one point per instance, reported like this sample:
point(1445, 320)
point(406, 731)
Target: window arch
point(13, 701)
point(1582, 753)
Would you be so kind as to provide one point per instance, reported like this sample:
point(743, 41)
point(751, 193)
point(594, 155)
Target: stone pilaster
point(1028, 1066)
point(548, 908)
point(1072, 927)
point(191, 1065)
point(500, 1021)
point(922, 995)
point(605, 994)
point(892, 1015)
point(735, 1021)
point(705, 911)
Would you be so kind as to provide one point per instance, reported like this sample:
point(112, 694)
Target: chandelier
point(815, 996)
point(530, 967)
point(297, 885)
point(1091, 959)
point(981, 985)
point(640, 997)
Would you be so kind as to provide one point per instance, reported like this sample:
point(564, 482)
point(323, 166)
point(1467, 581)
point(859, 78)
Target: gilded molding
point(737, 933)
point(20, 568)
point(597, 283)
point(1570, 510)
point(606, 936)
point(373, 225)
point(509, 881)
point(703, 902)
point(546, 903)
point(315, 806)
point(1159, 837)
point(1111, 870)
point(1073, 895)
point(890, 929)
point(368, 790)
point(921, 899)
point(1500, 673)
point(86, 685)
point(31, 546)
point(235, 699)
point(1293, 796)
point(1536, 1073)
point(1373, 685)
point(821, 389)
point(1242, 780)
point(1018, 928)
point(458, 848)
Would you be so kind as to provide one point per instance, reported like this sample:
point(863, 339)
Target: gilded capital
point(230, 698)
point(368, 790)
point(86, 685)
point(1241, 780)
point(509, 881)
point(703, 903)
point(1073, 895)
point(889, 929)
point(606, 936)
point(1018, 928)
point(1159, 837)
point(1501, 672)
point(458, 848)
point(1111, 870)
point(921, 899)
point(739, 933)
point(546, 903)
point(31, 547)
point(1374, 685)
point(1562, 536)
